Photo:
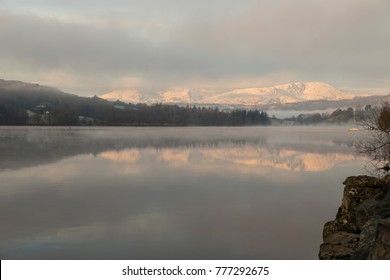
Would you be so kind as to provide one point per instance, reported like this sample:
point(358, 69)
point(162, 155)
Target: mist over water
point(170, 193)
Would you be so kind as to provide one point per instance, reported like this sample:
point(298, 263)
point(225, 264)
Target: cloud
point(162, 44)
point(314, 38)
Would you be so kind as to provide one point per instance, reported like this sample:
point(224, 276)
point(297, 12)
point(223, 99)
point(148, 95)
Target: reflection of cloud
point(129, 169)
point(56, 175)
point(125, 156)
point(141, 224)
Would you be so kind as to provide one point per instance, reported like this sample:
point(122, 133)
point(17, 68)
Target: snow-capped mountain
point(280, 94)
point(287, 93)
point(130, 96)
point(176, 95)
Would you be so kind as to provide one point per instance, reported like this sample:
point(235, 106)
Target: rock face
point(361, 229)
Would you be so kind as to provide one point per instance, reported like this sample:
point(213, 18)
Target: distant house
point(41, 109)
point(39, 115)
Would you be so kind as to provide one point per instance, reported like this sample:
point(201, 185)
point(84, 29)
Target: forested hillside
point(22, 103)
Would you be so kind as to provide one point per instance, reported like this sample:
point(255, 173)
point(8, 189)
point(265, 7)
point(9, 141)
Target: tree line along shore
point(58, 108)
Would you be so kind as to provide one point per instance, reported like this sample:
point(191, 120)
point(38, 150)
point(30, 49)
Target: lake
point(171, 193)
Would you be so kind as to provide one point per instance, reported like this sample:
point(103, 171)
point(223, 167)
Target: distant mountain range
point(32, 104)
point(280, 94)
point(295, 96)
point(275, 95)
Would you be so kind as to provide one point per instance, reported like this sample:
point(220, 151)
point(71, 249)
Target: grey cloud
point(348, 38)
point(49, 43)
point(168, 43)
point(46, 43)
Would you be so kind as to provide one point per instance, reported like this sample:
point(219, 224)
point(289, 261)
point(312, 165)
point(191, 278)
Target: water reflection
point(245, 156)
point(24, 147)
point(170, 193)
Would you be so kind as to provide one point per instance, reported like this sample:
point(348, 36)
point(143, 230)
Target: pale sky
point(91, 47)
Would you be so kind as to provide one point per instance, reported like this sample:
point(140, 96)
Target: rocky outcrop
point(361, 229)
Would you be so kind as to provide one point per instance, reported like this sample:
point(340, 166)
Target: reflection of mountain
point(243, 156)
point(126, 156)
point(287, 148)
point(135, 193)
point(283, 159)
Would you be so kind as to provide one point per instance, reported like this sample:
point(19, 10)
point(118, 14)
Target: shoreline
point(361, 230)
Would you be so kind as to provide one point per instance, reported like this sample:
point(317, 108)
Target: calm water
point(170, 193)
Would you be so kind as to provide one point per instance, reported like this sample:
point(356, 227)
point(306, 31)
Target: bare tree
point(376, 141)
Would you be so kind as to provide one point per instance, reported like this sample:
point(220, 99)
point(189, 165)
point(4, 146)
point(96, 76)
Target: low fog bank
point(30, 146)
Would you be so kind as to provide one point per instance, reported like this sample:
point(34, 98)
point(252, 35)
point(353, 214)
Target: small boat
point(354, 118)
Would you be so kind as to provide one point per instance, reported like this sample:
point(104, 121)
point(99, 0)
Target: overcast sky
point(95, 46)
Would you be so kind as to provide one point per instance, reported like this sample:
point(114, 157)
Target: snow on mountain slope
point(176, 95)
point(280, 94)
point(287, 93)
point(322, 91)
point(130, 96)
